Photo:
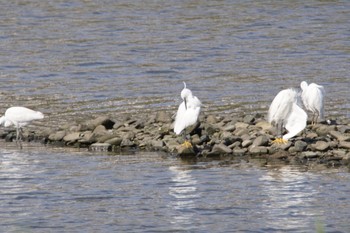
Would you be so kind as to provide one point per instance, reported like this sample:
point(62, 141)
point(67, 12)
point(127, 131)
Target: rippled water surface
point(53, 191)
point(73, 59)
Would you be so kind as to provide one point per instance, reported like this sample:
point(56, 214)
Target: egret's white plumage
point(19, 117)
point(188, 111)
point(313, 99)
point(285, 112)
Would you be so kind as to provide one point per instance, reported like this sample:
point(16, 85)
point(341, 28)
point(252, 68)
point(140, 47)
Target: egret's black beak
point(185, 103)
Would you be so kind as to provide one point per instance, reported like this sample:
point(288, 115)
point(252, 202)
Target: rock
point(246, 143)
point(116, 141)
point(72, 137)
point(262, 140)
point(102, 120)
point(100, 147)
point(311, 135)
point(344, 144)
point(58, 136)
point(323, 130)
point(320, 146)
point(240, 131)
point(127, 143)
point(157, 144)
point(241, 125)
point(258, 150)
point(163, 117)
point(87, 137)
point(183, 151)
point(264, 125)
point(100, 130)
point(239, 151)
point(339, 136)
point(229, 128)
point(211, 129)
point(344, 129)
point(248, 119)
point(195, 139)
point(211, 119)
point(309, 154)
point(299, 146)
point(221, 149)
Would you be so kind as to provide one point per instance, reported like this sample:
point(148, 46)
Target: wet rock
point(58, 136)
point(344, 144)
point(262, 140)
point(72, 137)
point(258, 150)
point(87, 137)
point(221, 149)
point(211, 129)
point(195, 139)
point(239, 151)
point(100, 147)
point(100, 130)
point(127, 143)
point(339, 136)
point(183, 151)
point(115, 141)
point(320, 146)
point(344, 129)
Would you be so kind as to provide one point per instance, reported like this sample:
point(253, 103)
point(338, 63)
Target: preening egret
point(19, 117)
point(285, 112)
point(187, 113)
point(312, 96)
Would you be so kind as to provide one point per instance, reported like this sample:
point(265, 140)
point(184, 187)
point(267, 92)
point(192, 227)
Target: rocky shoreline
point(215, 136)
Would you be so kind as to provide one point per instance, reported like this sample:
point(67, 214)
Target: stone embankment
point(215, 136)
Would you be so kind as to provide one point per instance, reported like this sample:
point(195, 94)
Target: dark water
point(73, 59)
point(46, 190)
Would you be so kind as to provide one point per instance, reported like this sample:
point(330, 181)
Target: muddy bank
point(227, 136)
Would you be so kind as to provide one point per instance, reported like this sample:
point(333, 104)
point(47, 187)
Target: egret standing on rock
point(312, 96)
point(187, 113)
point(19, 117)
point(285, 112)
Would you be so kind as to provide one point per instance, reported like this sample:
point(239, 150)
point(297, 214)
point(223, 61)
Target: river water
point(52, 190)
point(74, 60)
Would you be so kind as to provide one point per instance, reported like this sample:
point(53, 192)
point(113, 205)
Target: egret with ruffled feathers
point(187, 113)
point(313, 100)
point(285, 112)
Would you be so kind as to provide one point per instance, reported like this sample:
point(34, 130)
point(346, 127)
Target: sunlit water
point(47, 190)
point(76, 59)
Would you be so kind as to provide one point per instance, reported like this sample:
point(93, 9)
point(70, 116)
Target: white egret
point(187, 113)
point(19, 117)
point(312, 96)
point(285, 112)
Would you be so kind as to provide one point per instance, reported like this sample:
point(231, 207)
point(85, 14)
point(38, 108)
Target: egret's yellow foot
point(280, 141)
point(187, 144)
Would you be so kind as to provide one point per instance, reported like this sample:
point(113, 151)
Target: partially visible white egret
point(187, 113)
point(312, 96)
point(19, 117)
point(285, 112)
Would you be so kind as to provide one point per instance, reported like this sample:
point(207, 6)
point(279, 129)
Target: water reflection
point(184, 192)
point(290, 198)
